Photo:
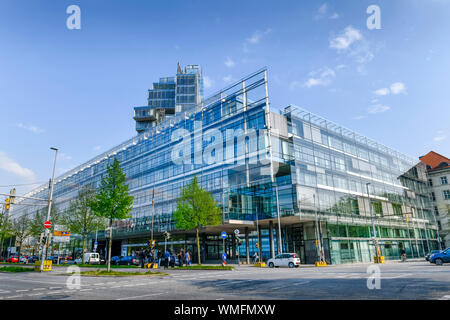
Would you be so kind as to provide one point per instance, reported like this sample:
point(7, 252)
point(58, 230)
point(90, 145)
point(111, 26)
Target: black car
point(128, 260)
point(428, 255)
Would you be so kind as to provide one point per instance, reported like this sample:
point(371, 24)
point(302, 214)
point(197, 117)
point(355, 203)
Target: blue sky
point(76, 89)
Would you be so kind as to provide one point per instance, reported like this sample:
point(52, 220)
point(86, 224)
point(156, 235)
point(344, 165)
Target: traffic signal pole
point(50, 199)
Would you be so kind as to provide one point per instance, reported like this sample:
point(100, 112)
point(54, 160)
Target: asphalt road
point(410, 280)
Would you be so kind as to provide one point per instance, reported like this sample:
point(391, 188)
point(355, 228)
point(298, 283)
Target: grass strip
point(15, 269)
point(121, 274)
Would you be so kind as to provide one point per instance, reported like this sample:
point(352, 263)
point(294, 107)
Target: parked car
point(428, 255)
point(290, 260)
point(13, 259)
point(128, 260)
point(23, 259)
point(441, 257)
point(115, 259)
point(33, 259)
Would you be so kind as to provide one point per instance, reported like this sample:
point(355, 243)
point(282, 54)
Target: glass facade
point(169, 96)
point(269, 172)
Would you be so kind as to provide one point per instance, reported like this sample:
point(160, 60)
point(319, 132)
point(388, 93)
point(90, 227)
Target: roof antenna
point(178, 68)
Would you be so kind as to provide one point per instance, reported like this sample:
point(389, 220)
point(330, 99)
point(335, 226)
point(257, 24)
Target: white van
point(90, 257)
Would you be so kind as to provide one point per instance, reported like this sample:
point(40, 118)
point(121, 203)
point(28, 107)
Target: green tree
point(112, 200)
point(5, 230)
point(80, 218)
point(196, 208)
point(21, 229)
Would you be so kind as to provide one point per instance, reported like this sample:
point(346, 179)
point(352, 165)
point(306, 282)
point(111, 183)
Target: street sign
point(95, 243)
point(236, 232)
point(223, 235)
point(224, 256)
point(47, 224)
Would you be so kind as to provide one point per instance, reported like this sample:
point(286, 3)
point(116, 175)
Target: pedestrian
point(142, 258)
point(403, 255)
point(255, 257)
point(166, 259)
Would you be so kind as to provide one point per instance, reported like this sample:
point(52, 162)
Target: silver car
point(290, 260)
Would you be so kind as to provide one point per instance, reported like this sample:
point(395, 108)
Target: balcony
point(144, 114)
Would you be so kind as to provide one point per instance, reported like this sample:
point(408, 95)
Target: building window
point(446, 194)
point(436, 211)
point(439, 225)
point(433, 196)
point(444, 180)
point(430, 182)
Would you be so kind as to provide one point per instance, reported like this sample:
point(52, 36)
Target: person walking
point(255, 257)
point(142, 258)
point(166, 259)
point(403, 255)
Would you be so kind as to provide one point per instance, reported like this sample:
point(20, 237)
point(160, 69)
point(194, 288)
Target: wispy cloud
point(322, 12)
point(382, 92)
point(207, 82)
point(378, 108)
point(96, 148)
point(344, 40)
point(395, 88)
point(30, 128)
point(360, 117)
point(227, 79)
point(9, 165)
point(398, 87)
point(440, 136)
point(229, 62)
point(321, 77)
point(255, 38)
point(64, 156)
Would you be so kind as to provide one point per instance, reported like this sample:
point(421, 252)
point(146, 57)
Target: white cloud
point(322, 11)
point(334, 16)
point(398, 87)
point(207, 82)
point(96, 148)
point(382, 92)
point(9, 165)
point(64, 156)
point(359, 117)
point(440, 136)
point(340, 66)
point(229, 62)
point(227, 79)
point(325, 75)
point(30, 128)
point(345, 39)
point(256, 38)
point(378, 108)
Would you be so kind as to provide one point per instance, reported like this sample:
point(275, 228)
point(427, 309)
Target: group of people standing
point(166, 259)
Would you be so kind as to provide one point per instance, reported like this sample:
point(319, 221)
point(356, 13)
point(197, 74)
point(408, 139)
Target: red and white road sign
point(47, 224)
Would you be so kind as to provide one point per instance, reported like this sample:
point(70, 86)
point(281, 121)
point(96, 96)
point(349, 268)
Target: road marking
point(24, 290)
point(12, 297)
point(5, 291)
point(85, 289)
point(116, 287)
point(36, 294)
point(54, 288)
point(37, 289)
point(399, 276)
point(145, 295)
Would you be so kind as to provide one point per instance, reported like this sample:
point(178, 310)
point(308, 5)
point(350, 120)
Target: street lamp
point(373, 225)
point(50, 199)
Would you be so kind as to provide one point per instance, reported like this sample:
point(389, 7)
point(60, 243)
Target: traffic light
point(166, 235)
point(406, 217)
point(12, 195)
point(257, 245)
point(7, 201)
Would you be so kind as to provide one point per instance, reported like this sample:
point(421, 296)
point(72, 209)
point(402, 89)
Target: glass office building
point(290, 180)
point(169, 96)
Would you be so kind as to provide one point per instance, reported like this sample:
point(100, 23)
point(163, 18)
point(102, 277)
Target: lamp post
point(373, 224)
point(50, 199)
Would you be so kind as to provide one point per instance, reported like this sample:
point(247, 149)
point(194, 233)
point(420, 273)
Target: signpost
point(224, 236)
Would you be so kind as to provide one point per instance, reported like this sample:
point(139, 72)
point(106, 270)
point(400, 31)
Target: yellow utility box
point(259, 264)
point(321, 264)
point(152, 265)
point(379, 260)
point(47, 265)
